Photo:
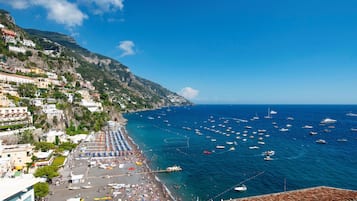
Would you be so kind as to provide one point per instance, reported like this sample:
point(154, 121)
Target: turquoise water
point(180, 135)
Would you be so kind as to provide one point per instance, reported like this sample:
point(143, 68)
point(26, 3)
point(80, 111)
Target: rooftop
point(14, 185)
point(321, 193)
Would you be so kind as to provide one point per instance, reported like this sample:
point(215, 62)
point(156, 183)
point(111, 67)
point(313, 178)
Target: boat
point(350, 114)
point(232, 149)
point(269, 153)
point(254, 147)
point(174, 168)
point(313, 133)
point(229, 143)
point(354, 129)
point(342, 140)
point(207, 152)
point(308, 127)
point(321, 141)
point(213, 140)
point(268, 158)
point(261, 142)
point(290, 118)
point(273, 112)
point(283, 130)
point(262, 131)
point(240, 188)
point(220, 147)
point(269, 114)
point(328, 121)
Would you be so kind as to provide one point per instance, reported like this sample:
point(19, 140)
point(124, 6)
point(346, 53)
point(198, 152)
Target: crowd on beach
point(131, 171)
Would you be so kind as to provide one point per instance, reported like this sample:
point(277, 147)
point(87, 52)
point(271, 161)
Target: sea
point(188, 137)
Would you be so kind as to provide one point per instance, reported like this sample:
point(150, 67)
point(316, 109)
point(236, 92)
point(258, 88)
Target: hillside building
point(18, 188)
point(18, 154)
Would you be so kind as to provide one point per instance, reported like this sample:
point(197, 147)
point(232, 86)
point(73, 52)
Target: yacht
point(283, 130)
point(269, 153)
point(307, 127)
point(354, 129)
point(328, 121)
point(321, 141)
point(269, 114)
point(313, 133)
point(342, 140)
point(254, 147)
point(268, 158)
point(240, 188)
point(273, 112)
point(350, 114)
point(220, 147)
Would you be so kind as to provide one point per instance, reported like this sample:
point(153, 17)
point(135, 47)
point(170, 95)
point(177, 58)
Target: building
point(51, 111)
point(17, 49)
point(4, 101)
point(11, 116)
point(44, 158)
point(8, 32)
point(321, 193)
point(19, 154)
point(19, 79)
point(28, 43)
point(18, 188)
point(51, 136)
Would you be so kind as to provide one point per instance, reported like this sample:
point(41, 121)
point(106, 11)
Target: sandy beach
point(123, 177)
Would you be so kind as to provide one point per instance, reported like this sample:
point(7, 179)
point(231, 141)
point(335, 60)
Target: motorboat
point(354, 129)
point(254, 147)
point(232, 149)
point(308, 127)
point(240, 188)
point(342, 140)
point(220, 147)
point(268, 158)
point(207, 152)
point(283, 129)
point(273, 112)
point(321, 141)
point(328, 121)
point(313, 133)
point(174, 168)
point(269, 153)
point(350, 114)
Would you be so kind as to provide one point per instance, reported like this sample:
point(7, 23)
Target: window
point(8, 155)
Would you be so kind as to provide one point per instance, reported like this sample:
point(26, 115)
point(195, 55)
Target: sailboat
point(269, 114)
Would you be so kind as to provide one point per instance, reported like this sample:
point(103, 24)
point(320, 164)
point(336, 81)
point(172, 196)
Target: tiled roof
point(321, 193)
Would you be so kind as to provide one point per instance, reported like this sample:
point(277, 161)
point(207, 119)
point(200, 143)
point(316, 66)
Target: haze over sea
point(180, 135)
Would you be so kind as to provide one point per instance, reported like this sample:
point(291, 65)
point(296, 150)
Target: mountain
point(60, 54)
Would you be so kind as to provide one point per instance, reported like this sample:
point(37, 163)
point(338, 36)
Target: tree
point(44, 146)
point(26, 137)
point(41, 189)
point(47, 171)
point(27, 90)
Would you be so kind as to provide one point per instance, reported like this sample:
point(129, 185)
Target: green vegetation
point(48, 172)
point(58, 161)
point(41, 190)
point(67, 146)
point(44, 146)
point(27, 90)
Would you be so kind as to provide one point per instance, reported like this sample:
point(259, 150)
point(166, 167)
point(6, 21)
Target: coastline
point(137, 151)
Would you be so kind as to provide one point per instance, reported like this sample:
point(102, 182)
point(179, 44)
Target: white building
point(6, 77)
point(92, 106)
point(51, 135)
point(14, 116)
point(17, 49)
point(19, 154)
point(18, 189)
point(28, 43)
point(52, 111)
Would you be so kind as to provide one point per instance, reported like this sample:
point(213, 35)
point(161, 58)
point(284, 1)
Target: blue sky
point(217, 51)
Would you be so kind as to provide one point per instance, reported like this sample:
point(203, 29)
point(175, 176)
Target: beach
point(94, 172)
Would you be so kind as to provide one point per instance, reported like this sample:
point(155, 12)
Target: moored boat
point(328, 121)
point(240, 188)
point(321, 141)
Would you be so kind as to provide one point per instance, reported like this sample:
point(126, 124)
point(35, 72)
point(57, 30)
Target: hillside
point(60, 54)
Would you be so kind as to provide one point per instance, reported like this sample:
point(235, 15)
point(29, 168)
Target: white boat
point(269, 153)
point(313, 133)
point(290, 118)
point(232, 149)
point(220, 147)
point(268, 158)
point(174, 168)
point(354, 129)
point(262, 131)
point(229, 143)
point(254, 147)
point(273, 112)
point(328, 121)
point(213, 140)
point(350, 114)
point(241, 188)
point(261, 142)
point(269, 114)
point(321, 141)
point(342, 140)
point(308, 127)
point(283, 130)
point(288, 125)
